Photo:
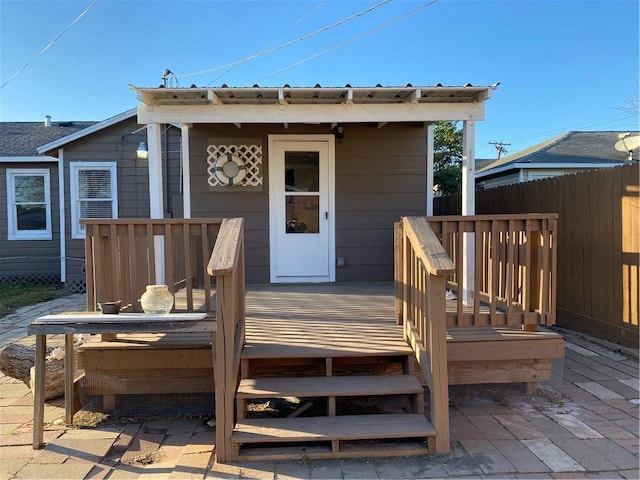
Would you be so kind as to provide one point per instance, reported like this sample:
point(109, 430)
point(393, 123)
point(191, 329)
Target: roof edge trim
point(87, 131)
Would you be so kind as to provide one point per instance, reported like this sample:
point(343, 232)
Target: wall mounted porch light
point(338, 131)
point(142, 153)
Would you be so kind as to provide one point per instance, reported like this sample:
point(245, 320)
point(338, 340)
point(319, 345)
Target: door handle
point(326, 215)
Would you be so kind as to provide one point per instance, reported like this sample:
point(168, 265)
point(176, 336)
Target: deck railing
point(421, 268)
point(121, 261)
point(227, 266)
point(510, 264)
point(122, 256)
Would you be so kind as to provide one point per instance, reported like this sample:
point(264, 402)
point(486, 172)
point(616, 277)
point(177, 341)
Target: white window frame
point(12, 221)
point(77, 230)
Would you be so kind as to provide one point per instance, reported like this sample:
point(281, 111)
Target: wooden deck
point(330, 341)
point(329, 320)
point(292, 332)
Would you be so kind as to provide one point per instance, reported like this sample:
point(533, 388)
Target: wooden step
point(327, 450)
point(343, 427)
point(343, 386)
point(308, 347)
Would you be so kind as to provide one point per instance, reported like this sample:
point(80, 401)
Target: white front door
point(301, 208)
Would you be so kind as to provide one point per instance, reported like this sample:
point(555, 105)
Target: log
point(53, 379)
point(17, 361)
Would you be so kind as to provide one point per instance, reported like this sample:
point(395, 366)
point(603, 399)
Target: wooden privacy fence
point(123, 255)
point(510, 265)
point(227, 266)
point(421, 265)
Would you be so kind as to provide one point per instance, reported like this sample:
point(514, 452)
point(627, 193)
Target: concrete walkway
point(584, 426)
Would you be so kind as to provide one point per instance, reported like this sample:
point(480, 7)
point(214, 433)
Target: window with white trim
point(28, 204)
point(93, 193)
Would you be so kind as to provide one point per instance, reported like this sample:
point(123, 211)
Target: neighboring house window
point(28, 204)
point(93, 193)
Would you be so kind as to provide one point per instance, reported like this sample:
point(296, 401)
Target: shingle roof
point(19, 139)
point(566, 149)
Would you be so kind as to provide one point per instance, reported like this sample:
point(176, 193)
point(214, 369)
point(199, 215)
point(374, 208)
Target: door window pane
point(303, 214)
point(301, 171)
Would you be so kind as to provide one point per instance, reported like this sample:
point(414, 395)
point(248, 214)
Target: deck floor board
point(331, 320)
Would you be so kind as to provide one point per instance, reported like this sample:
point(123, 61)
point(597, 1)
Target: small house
point(31, 201)
point(570, 152)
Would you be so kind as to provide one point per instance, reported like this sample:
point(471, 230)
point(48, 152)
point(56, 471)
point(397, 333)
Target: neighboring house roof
point(21, 139)
point(483, 162)
point(92, 127)
point(569, 150)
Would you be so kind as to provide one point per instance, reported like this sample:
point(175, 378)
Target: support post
point(430, 168)
point(468, 207)
point(69, 377)
point(156, 194)
point(186, 170)
point(38, 400)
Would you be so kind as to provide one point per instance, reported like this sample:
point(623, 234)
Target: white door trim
point(274, 201)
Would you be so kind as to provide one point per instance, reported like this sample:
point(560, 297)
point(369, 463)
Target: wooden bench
point(501, 355)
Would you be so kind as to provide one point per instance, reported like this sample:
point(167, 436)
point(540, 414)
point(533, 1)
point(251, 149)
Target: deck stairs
point(343, 402)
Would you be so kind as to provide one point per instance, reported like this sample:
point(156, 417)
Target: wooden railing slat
point(494, 262)
point(133, 272)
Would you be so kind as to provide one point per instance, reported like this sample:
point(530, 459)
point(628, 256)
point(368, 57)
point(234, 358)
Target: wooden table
point(73, 323)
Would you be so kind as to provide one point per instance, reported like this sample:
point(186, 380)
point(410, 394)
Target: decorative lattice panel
point(34, 279)
point(251, 155)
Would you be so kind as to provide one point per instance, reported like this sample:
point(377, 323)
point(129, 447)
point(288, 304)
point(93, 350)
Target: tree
point(447, 171)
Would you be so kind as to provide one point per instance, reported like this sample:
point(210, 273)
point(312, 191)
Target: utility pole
point(500, 147)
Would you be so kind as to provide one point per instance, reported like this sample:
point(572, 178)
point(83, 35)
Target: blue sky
point(562, 65)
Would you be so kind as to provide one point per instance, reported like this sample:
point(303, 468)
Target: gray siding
point(30, 258)
point(118, 144)
point(380, 176)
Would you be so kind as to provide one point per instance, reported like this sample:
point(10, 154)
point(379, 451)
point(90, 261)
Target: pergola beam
point(319, 113)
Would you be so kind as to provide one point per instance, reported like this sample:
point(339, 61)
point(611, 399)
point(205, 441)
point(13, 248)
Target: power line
point(582, 125)
point(346, 42)
point(50, 43)
point(288, 44)
point(611, 122)
point(266, 44)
